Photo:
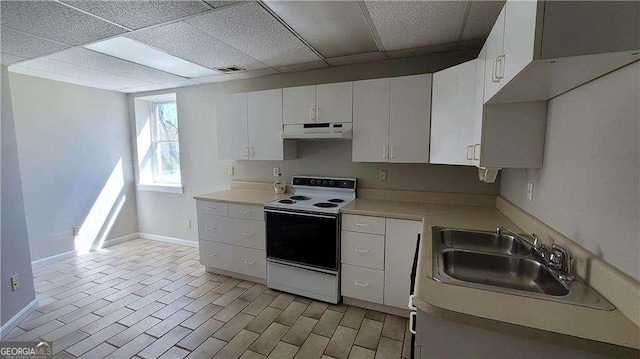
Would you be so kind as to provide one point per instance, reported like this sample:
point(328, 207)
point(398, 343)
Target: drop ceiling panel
point(23, 45)
point(410, 24)
point(251, 29)
point(55, 21)
point(321, 23)
point(93, 60)
point(214, 78)
point(139, 14)
point(187, 42)
point(65, 69)
point(8, 59)
point(482, 16)
point(64, 78)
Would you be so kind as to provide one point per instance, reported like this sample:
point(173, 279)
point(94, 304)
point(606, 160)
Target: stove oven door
point(308, 239)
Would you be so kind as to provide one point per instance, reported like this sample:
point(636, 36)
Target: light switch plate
point(276, 171)
point(384, 175)
point(230, 170)
point(187, 223)
point(529, 191)
point(15, 283)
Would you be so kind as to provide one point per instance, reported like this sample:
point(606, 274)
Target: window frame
point(154, 145)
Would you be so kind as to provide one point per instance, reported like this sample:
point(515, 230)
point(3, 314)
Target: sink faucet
point(556, 257)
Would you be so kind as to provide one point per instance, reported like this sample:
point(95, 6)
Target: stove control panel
point(325, 182)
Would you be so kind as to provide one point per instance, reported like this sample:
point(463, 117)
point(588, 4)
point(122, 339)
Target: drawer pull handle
point(412, 321)
point(361, 284)
point(248, 234)
point(365, 250)
point(246, 212)
point(209, 254)
point(363, 224)
point(249, 262)
point(211, 208)
point(211, 228)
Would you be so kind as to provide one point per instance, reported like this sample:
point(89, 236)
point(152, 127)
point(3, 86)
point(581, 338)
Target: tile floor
point(151, 299)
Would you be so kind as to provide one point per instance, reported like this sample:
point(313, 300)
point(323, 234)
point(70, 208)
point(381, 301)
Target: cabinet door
point(452, 112)
point(334, 102)
point(478, 111)
point(400, 244)
point(410, 119)
point(231, 118)
point(298, 105)
point(519, 36)
point(265, 125)
point(371, 120)
point(494, 55)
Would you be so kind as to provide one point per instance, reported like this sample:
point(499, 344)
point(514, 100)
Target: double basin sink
point(503, 263)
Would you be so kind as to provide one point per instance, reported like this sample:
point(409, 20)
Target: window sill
point(167, 188)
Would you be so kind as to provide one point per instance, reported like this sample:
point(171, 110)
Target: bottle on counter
point(279, 185)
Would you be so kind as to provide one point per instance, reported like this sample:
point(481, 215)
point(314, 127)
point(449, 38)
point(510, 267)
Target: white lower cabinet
point(362, 283)
point(232, 240)
point(377, 258)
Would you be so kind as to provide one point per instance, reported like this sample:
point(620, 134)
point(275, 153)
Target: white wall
point(75, 157)
point(589, 186)
point(14, 242)
point(165, 213)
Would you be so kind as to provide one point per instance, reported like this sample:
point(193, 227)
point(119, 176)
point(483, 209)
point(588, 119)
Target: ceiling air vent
point(230, 69)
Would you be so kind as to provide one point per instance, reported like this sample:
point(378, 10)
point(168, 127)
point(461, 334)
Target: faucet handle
point(536, 240)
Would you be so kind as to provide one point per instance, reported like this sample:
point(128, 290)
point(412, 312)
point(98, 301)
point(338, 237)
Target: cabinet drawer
point(212, 228)
point(209, 207)
point(246, 212)
point(245, 233)
point(363, 224)
point(363, 249)
point(233, 258)
point(362, 283)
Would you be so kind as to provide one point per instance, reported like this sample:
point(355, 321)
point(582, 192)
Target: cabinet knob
point(211, 208)
point(211, 228)
point(477, 145)
point(361, 284)
point(209, 254)
point(249, 262)
point(363, 224)
point(362, 250)
point(311, 114)
point(318, 113)
point(470, 152)
point(248, 234)
point(246, 212)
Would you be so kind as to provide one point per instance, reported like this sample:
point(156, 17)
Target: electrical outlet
point(230, 170)
point(384, 175)
point(276, 171)
point(15, 283)
point(529, 191)
point(76, 231)
point(187, 223)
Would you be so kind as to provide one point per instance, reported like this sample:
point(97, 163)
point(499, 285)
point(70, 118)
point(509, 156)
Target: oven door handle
point(300, 214)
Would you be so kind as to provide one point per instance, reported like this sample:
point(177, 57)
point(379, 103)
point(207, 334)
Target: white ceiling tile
point(302, 67)
point(55, 21)
point(163, 86)
point(251, 29)
point(63, 78)
point(186, 42)
point(219, 3)
point(256, 73)
point(357, 59)
point(23, 45)
point(8, 59)
point(320, 23)
point(139, 14)
point(482, 16)
point(63, 68)
point(214, 78)
point(93, 60)
point(411, 24)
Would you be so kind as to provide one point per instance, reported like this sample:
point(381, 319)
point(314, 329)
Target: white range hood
point(312, 131)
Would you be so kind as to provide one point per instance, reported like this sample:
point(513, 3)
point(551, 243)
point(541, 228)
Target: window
point(165, 146)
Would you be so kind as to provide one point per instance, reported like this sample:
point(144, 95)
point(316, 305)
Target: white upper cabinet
point(334, 102)
point(231, 117)
point(371, 120)
point(265, 122)
point(299, 105)
point(391, 119)
point(452, 114)
point(250, 127)
point(538, 50)
point(318, 103)
point(410, 119)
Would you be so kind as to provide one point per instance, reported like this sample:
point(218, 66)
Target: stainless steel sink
point(483, 241)
point(502, 263)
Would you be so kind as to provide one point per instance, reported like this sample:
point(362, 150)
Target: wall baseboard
point(12, 323)
point(113, 241)
point(155, 237)
point(52, 259)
